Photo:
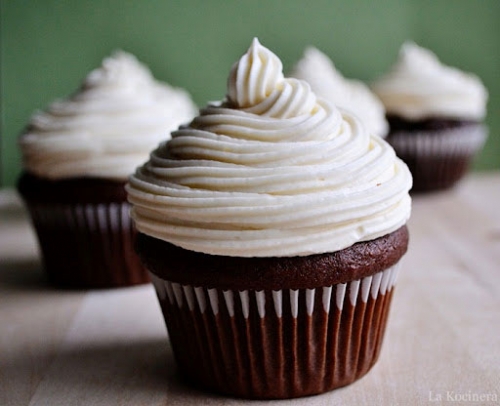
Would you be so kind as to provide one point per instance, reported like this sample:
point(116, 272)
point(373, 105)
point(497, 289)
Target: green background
point(48, 46)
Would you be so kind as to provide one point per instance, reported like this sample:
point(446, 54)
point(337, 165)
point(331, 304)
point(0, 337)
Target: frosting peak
point(270, 171)
point(108, 127)
point(419, 86)
point(353, 95)
point(254, 76)
point(257, 85)
point(121, 68)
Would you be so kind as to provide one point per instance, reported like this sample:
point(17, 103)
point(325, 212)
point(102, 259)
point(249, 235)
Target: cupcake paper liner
point(87, 245)
point(276, 343)
point(465, 140)
point(438, 160)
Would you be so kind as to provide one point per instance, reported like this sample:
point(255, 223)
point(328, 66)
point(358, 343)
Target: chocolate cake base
point(438, 151)
point(85, 234)
point(298, 336)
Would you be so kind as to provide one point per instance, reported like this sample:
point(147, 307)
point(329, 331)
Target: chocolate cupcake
point(273, 226)
point(353, 95)
point(435, 114)
point(77, 156)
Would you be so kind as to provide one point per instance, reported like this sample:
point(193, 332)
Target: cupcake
point(77, 156)
point(435, 113)
point(349, 94)
point(273, 226)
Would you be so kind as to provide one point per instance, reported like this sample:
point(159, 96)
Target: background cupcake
point(273, 226)
point(77, 156)
point(353, 95)
point(435, 114)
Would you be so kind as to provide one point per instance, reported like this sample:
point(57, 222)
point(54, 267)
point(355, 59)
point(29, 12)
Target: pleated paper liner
point(87, 245)
point(277, 344)
point(438, 161)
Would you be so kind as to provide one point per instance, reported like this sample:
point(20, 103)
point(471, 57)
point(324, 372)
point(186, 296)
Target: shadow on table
point(109, 373)
point(23, 275)
point(20, 268)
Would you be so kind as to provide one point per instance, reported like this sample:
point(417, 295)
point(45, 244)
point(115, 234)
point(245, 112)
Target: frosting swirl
point(270, 171)
point(108, 127)
point(419, 86)
point(352, 95)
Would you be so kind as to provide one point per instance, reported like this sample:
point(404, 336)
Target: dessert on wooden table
point(273, 227)
point(435, 113)
point(77, 156)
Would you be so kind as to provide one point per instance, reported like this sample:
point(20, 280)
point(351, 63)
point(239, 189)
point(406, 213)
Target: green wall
point(48, 46)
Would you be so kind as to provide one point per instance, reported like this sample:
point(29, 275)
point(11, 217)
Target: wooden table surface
point(110, 347)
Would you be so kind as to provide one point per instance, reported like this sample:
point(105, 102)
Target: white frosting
point(271, 171)
point(418, 86)
point(108, 127)
point(352, 95)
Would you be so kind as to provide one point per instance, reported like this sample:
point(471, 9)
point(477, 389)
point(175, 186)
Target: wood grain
point(110, 346)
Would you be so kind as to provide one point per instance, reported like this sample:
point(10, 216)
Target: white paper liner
point(201, 299)
point(94, 217)
point(88, 244)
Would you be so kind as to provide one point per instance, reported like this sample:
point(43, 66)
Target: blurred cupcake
point(77, 156)
point(352, 95)
point(435, 114)
point(273, 226)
